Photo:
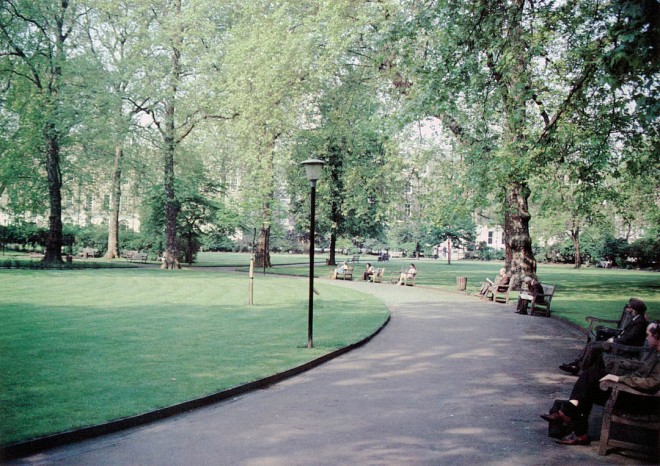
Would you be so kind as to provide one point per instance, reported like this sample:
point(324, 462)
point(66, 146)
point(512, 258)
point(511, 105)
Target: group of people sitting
point(599, 362)
point(405, 275)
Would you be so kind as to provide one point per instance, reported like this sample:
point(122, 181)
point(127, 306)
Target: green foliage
point(644, 252)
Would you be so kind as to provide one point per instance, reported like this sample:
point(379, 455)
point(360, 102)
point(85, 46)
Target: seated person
point(341, 269)
point(407, 275)
point(631, 335)
point(501, 281)
point(368, 272)
point(586, 391)
point(531, 290)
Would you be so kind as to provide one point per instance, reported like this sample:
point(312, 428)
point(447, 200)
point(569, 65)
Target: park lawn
point(79, 348)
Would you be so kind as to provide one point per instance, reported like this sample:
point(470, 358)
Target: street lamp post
point(313, 169)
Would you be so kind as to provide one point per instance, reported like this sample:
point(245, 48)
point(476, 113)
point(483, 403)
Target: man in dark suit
point(633, 334)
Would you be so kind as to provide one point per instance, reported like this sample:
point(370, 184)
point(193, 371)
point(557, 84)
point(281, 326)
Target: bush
point(644, 252)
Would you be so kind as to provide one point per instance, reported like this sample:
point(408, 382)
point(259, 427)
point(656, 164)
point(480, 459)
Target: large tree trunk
point(115, 201)
point(575, 236)
point(53, 254)
point(262, 256)
point(332, 260)
point(170, 256)
point(520, 258)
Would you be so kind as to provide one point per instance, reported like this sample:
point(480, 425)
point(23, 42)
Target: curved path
point(450, 380)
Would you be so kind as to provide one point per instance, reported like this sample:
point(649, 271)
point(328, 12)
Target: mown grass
point(79, 348)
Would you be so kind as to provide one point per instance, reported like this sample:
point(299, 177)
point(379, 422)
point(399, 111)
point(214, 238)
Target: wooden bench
point(136, 256)
point(407, 281)
point(377, 276)
point(543, 307)
point(615, 327)
point(500, 294)
point(88, 252)
point(355, 259)
point(347, 274)
point(618, 417)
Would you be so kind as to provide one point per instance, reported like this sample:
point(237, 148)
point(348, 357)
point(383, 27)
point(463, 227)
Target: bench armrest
point(625, 388)
point(592, 319)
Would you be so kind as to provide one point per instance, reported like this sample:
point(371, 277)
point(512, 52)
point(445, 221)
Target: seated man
point(501, 281)
point(531, 290)
point(631, 335)
point(407, 275)
point(586, 391)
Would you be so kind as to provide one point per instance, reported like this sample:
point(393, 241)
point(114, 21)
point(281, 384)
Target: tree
point(279, 53)
point(179, 67)
point(356, 188)
point(504, 77)
point(115, 33)
point(34, 56)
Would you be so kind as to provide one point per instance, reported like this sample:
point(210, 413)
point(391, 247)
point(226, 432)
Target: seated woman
point(368, 272)
point(586, 391)
point(531, 290)
point(341, 269)
point(407, 275)
point(488, 287)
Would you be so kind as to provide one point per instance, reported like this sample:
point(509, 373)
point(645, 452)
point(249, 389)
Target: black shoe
point(573, 439)
point(521, 312)
point(570, 368)
point(557, 417)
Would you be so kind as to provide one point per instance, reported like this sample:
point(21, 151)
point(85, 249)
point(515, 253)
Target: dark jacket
point(634, 333)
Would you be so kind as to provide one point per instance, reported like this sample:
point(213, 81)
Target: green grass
point(79, 348)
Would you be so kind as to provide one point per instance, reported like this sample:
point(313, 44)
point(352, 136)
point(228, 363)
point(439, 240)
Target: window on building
point(490, 237)
point(88, 202)
point(407, 210)
point(106, 202)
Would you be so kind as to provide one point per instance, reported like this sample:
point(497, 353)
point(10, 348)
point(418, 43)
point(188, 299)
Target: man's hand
point(612, 377)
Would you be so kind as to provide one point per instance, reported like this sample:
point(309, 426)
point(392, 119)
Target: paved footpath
point(450, 380)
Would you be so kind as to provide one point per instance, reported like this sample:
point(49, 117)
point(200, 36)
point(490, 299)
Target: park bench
point(136, 256)
point(628, 410)
point(500, 294)
point(377, 276)
point(88, 252)
point(543, 307)
point(347, 274)
point(615, 327)
point(355, 259)
point(407, 281)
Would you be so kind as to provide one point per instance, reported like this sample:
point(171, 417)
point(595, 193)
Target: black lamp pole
point(313, 169)
point(310, 312)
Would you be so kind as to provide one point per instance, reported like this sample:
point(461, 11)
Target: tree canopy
point(540, 112)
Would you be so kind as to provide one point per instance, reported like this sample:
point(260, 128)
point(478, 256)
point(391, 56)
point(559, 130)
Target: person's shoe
point(521, 312)
point(557, 417)
point(573, 439)
point(570, 368)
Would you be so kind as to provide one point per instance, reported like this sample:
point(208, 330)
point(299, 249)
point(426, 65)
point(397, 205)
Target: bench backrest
point(548, 292)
